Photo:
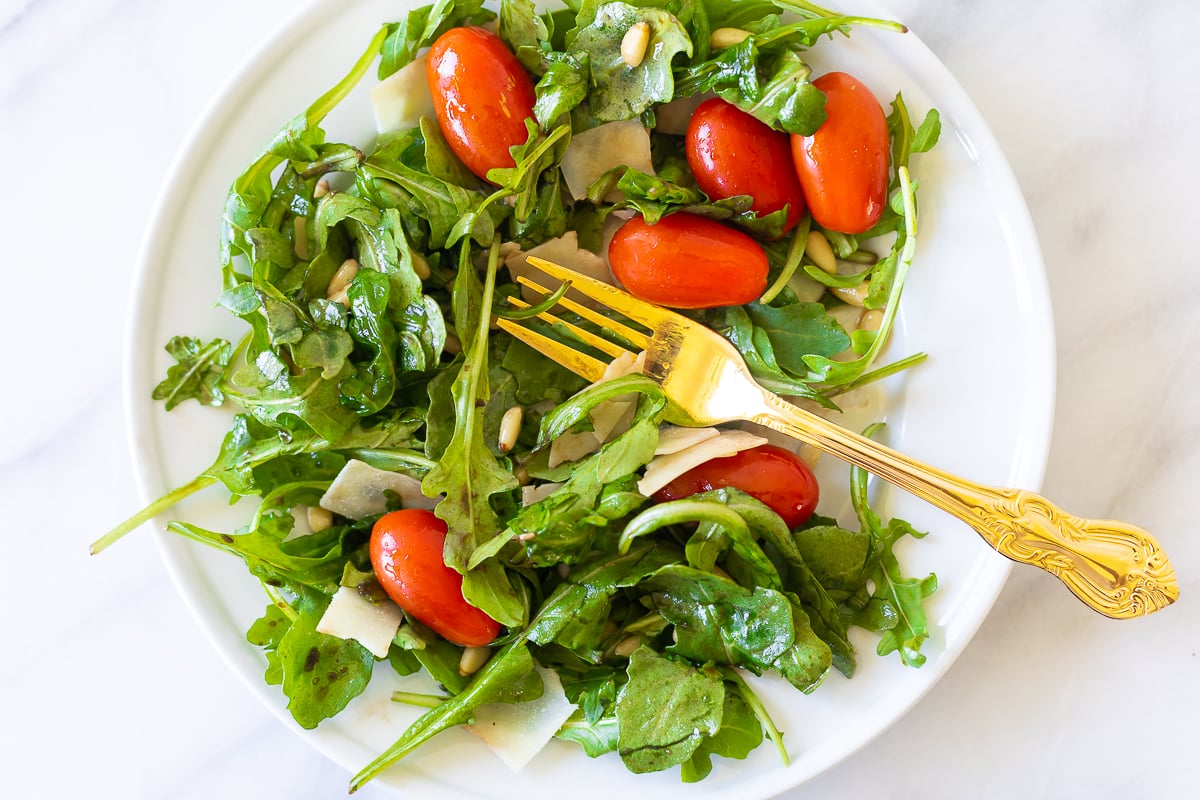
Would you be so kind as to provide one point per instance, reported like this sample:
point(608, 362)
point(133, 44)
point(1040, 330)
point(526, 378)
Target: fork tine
point(598, 342)
point(581, 364)
point(638, 338)
point(637, 310)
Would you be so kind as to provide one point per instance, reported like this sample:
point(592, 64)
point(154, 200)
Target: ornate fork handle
point(1116, 568)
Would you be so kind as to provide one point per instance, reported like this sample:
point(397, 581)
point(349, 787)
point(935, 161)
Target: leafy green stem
point(678, 511)
point(878, 374)
point(280, 602)
point(151, 511)
point(760, 711)
point(792, 263)
point(417, 699)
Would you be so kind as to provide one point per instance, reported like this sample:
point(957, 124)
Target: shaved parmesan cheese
point(564, 251)
point(619, 367)
point(358, 491)
point(612, 417)
point(300, 527)
point(663, 469)
point(402, 98)
point(674, 117)
point(595, 151)
point(673, 438)
point(352, 616)
point(535, 494)
point(609, 419)
point(572, 447)
point(608, 416)
point(516, 732)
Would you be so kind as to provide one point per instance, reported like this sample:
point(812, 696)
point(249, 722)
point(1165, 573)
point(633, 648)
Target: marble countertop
point(111, 692)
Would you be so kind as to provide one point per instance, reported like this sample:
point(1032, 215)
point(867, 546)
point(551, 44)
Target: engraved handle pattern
point(1116, 568)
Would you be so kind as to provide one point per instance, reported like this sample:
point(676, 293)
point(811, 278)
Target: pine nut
point(340, 281)
point(472, 659)
point(853, 295)
point(420, 266)
point(452, 346)
point(870, 320)
point(321, 189)
point(633, 44)
point(727, 37)
point(300, 240)
point(319, 518)
point(510, 428)
point(818, 249)
point(521, 474)
point(626, 646)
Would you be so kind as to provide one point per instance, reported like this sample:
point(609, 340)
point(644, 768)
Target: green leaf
point(739, 734)
point(666, 710)
point(321, 673)
point(929, 132)
point(440, 160)
point(785, 100)
point(798, 330)
point(720, 622)
point(835, 555)
point(468, 473)
point(563, 87)
point(251, 193)
point(509, 677)
point(902, 598)
point(620, 91)
point(421, 26)
point(197, 372)
point(266, 632)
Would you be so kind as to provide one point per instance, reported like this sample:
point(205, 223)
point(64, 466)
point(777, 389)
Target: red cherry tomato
point(843, 167)
point(482, 95)
point(406, 552)
point(732, 153)
point(688, 261)
point(777, 477)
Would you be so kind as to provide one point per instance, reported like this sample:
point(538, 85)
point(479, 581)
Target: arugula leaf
point(901, 598)
point(251, 193)
point(720, 622)
point(321, 674)
point(666, 710)
point(620, 91)
point(520, 26)
point(563, 87)
point(835, 555)
point(756, 349)
point(797, 330)
point(596, 737)
point(784, 99)
point(320, 563)
point(468, 473)
point(266, 632)
point(196, 373)
point(586, 594)
point(740, 733)
point(421, 26)
point(833, 373)
point(509, 677)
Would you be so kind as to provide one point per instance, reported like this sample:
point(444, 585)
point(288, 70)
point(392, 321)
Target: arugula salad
point(434, 495)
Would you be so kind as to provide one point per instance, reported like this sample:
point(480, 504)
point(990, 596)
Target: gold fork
point(1116, 568)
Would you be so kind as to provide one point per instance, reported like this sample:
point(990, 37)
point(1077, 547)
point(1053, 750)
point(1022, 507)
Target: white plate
point(981, 406)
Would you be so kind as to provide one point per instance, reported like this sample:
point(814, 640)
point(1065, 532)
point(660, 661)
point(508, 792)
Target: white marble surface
point(109, 691)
